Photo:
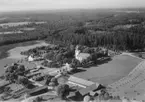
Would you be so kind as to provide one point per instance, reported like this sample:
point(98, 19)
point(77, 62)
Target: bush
point(62, 91)
point(38, 99)
point(50, 55)
point(55, 81)
point(75, 62)
point(59, 57)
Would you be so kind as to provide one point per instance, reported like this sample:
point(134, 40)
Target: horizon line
point(65, 9)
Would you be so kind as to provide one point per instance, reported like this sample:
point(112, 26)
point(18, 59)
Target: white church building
point(81, 56)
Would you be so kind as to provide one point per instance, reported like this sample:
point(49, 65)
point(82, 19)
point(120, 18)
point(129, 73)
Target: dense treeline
point(131, 38)
point(117, 40)
point(90, 29)
point(41, 32)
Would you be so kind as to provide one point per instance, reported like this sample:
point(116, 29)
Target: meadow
point(110, 71)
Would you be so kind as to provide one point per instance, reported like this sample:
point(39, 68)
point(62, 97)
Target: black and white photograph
point(72, 50)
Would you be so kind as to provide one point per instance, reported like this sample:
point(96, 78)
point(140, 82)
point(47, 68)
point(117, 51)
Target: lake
point(14, 55)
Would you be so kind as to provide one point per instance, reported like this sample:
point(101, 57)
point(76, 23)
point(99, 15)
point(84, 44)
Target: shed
point(94, 87)
point(38, 90)
point(80, 81)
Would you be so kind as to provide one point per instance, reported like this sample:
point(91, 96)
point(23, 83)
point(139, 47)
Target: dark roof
point(37, 89)
point(85, 91)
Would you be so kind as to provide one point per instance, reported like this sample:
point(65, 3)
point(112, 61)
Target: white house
point(33, 58)
point(81, 56)
point(30, 58)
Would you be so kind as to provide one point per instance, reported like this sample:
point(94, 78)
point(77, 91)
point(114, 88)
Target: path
point(130, 54)
point(31, 98)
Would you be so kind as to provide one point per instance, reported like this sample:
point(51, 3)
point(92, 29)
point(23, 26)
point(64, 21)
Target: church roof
point(84, 55)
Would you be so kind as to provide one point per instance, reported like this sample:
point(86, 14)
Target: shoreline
point(13, 53)
point(5, 48)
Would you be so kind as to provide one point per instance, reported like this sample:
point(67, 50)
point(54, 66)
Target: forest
point(112, 30)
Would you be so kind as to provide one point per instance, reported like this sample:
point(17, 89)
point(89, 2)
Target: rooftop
point(80, 81)
point(84, 55)
point(85, 91)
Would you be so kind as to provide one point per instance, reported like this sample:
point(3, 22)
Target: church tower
point(77, 52)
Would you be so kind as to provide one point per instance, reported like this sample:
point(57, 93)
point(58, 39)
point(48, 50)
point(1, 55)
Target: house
point(81, 56)
point(65, 69)
point(92, 88)
point(105, 51)
point(30, 58)
point(79, 81)
point(38, 91)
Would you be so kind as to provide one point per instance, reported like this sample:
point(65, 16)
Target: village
point(72, 51)
point(54, 78)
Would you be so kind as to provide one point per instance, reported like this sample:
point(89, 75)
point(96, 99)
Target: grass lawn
point(111, 71)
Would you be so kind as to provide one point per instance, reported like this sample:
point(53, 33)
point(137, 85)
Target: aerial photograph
point(72, 50)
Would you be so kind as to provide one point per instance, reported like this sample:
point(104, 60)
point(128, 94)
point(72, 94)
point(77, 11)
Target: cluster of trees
point(59, 55)
point(104, 95)
point(5, 89)
point(12, 72)
point(16, 74)
point(63, 91)
point(51, 80)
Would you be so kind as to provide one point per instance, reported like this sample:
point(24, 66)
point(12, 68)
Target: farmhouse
point(79, 81)
point(32, 58)
point(93, 88)
point(38, 91)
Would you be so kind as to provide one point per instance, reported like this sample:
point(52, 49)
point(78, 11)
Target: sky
point(18, 5)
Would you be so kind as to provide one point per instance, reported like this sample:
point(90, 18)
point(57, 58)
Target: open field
point(14, 24)
point(131, 86)
point(27, 29)
point(124, 26)
point(4, 18)
point(19, 31)
point(111, 71)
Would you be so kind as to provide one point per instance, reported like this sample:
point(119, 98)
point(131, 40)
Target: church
point(81, 56)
